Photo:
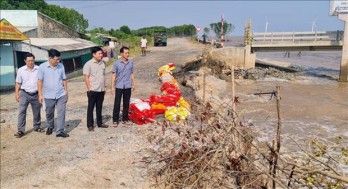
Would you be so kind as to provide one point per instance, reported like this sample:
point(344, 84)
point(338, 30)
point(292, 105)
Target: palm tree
point(216, 28)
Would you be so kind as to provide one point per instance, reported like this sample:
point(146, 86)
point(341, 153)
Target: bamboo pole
point(204, 85)
point(274, 174)
point(233, 94)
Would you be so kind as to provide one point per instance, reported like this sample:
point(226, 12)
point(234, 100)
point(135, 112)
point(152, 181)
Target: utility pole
point(222, 31)
point(314, 25)
point(266, 28)
point(344, 62)
point(340, 9)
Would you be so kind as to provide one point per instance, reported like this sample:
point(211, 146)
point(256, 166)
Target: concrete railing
point(270, 37)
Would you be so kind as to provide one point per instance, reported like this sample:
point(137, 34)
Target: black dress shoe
point(90, 128)
point(49, 131)
point(19, 134)
point(64, 135)
point(103, 126)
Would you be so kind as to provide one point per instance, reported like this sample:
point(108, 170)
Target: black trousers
point(126, 93)
point(95, 99)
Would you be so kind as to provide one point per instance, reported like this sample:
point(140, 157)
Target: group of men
point(47, 85)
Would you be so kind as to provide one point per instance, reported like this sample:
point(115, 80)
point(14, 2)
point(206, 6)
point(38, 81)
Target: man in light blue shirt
point(122, 83)
point(52, 87)
point(26, 93)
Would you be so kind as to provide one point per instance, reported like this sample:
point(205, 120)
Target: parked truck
point(160, 38)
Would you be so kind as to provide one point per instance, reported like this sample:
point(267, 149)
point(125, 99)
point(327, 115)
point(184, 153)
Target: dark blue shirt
point(123, 71)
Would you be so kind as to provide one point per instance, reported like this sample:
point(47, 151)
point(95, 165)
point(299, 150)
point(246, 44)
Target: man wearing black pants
point(122, 81)
point(94, 74)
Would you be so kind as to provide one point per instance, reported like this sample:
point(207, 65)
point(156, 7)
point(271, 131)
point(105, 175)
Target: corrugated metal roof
point(61, 44)
point(25, 29)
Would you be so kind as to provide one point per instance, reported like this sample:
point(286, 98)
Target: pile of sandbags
point(178, 109)
point(170, 102)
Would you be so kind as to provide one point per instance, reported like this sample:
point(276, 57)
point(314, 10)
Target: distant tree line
point(75, 20)
point(125, 33)
point(69, 17)
point(175, 31)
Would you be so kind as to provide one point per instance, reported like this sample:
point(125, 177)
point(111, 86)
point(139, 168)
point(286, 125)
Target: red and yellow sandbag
point(158, 108)
point(166, 69)
point(184, 104)
point(177, 114)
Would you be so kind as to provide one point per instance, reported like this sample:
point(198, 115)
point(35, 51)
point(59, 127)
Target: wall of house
point(31, 33)
point(75, 60)
point(40, 53)
point(7, 67)
point(49, 28)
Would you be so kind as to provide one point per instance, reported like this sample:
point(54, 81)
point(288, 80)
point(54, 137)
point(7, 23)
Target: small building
point(44, 33)
point(108, 40)
point(75, 52)
point(37, 25)
point(8, 35)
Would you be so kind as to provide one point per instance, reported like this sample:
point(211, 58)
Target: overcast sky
point(282, 16)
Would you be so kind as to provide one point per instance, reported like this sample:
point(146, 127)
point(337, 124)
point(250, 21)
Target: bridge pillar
point(344, 62)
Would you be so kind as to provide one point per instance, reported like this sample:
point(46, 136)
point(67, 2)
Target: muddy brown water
point(313, 104)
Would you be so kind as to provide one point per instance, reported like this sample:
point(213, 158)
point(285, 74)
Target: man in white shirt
point(143, 46)
point(27, 93)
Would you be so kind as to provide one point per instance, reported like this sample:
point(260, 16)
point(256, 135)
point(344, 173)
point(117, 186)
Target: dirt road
point(106, 158)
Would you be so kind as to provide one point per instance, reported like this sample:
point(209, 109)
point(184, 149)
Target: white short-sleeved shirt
point(143, 42)
point(28, 78)
point(111, 44)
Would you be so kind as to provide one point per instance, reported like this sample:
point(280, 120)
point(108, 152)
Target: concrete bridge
point(297, 41)
point(302, 41)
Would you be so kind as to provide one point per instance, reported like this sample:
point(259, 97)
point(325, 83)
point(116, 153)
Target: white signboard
point(20, 18)
point(338, 7)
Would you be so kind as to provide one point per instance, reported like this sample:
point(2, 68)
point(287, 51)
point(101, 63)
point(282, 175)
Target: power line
point(100, 5)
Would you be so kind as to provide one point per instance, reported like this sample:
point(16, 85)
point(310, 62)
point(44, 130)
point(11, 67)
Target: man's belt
point(30, 93)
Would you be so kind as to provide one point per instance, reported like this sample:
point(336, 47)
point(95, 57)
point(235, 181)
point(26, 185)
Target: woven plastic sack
point(166, 78)
point(158, 108)
point(184, 104)
point(166, 85)
point(166, 100)
point(140, 113)
point(172, 91)
point(165, 68)
point(176, 114)
point(135, 100)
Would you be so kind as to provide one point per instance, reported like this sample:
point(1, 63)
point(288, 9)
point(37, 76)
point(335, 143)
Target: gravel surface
point(106, 158)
